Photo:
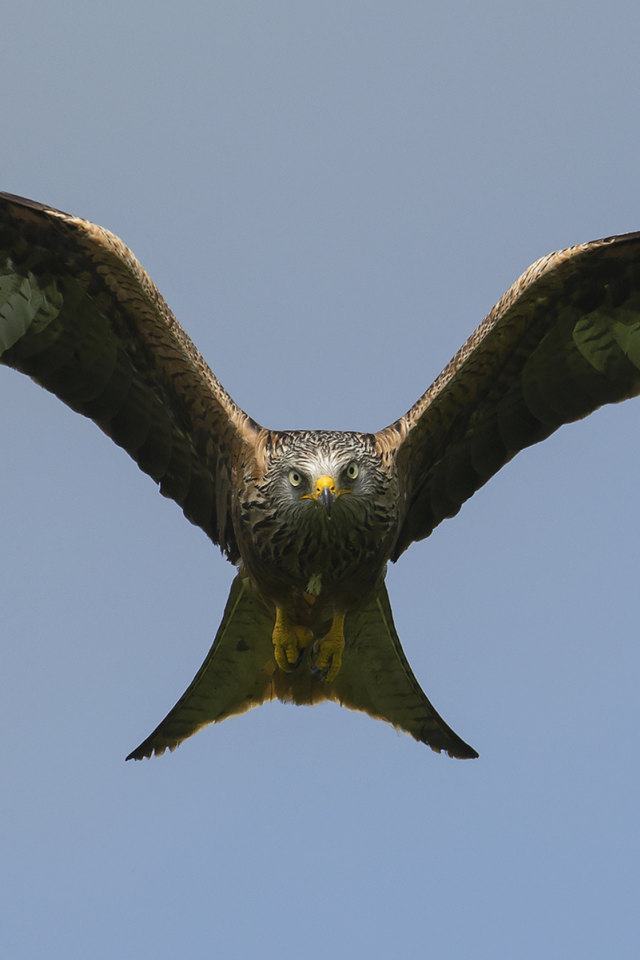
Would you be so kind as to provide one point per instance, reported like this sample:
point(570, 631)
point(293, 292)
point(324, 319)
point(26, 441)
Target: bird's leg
point(327, 652)
point(288, 641)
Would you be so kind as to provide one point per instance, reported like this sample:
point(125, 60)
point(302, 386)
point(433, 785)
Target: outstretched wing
point(564, 340)
point(239, 672)
point(80, 315)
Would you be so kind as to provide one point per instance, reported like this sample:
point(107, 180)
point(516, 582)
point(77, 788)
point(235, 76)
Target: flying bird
point(310, 518)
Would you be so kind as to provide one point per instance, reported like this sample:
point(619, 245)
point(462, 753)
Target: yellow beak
point(325, 493)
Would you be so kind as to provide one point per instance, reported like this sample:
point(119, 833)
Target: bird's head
point(323, 474)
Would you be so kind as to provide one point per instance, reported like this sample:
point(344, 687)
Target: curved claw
point(284, 657)
point(326, 654)
point(289, 642)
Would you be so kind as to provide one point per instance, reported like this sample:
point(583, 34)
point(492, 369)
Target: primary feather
point(311, 518)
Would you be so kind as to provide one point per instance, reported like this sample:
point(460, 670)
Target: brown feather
point(80, 315)
point(560, 343)
point(115, 353)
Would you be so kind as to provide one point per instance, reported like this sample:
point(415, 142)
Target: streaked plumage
point(310, 518)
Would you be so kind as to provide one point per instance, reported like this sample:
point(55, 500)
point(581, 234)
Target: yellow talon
point(329, 649)
point(288, 641)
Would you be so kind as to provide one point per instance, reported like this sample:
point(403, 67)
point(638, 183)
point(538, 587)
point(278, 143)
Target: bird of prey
point(309, 518)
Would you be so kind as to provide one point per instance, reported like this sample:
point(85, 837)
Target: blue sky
point(331, 197)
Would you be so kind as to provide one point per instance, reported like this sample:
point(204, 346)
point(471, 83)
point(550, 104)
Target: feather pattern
point(83, 319)
point(311, 518)
point(563, 341)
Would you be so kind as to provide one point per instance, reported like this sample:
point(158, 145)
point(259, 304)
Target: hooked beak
point(325, 493)
point(327, 498)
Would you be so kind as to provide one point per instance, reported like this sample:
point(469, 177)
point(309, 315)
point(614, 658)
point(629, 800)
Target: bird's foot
point(326, 654)
point(289, 641)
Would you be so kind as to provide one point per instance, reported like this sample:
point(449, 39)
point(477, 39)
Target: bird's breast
point(333, 563)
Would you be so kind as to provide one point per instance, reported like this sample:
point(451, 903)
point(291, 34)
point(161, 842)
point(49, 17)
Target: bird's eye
point(295, 478)
point(352, 471)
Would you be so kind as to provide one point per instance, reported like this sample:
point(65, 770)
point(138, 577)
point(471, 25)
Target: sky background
point(330, 196)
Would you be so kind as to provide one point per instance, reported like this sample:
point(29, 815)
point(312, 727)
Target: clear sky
point(330, 195)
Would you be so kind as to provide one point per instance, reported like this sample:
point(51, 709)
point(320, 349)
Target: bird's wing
point(80, 315)
point(564, 340)
point(239, 672)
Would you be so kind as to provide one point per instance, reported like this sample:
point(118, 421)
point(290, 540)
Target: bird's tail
point(240, 672)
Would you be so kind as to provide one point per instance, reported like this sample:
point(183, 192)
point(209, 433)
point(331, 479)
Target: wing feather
point(80, 315)
point(564, 340)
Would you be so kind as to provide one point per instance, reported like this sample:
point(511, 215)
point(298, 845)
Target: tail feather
point(240, 672)
point(376, 678)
